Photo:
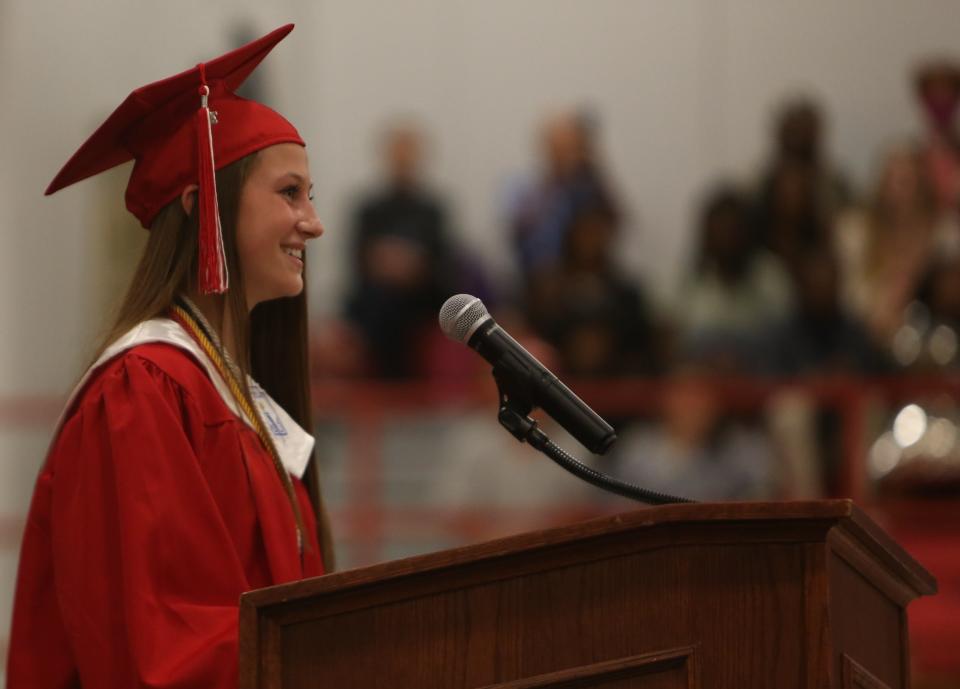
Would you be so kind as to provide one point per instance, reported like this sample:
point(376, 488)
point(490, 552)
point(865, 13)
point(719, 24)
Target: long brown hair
point(271, 341)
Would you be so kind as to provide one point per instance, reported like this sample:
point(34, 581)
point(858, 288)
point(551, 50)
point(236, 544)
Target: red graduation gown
point(157, 507)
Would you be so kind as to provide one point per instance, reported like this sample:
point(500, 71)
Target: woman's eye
point(291, 191)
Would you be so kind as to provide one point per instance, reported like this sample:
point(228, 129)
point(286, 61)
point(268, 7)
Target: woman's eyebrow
point(300, 178)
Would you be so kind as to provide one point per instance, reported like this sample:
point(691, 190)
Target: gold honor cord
point(247, 407)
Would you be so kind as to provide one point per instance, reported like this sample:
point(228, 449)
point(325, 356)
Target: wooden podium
point(718, 596)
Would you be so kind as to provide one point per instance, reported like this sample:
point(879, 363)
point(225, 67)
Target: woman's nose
point(312, 227)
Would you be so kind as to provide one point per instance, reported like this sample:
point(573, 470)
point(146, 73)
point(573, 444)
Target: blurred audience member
point(800, 191)
point(542, 210)
point(402, 260)
point(941, 291)
point(697, 451)
point(485, 467)
point(820, 337)
point(788, 218)
point(933, 321)
point(937, 88)
point(735, 292)
point(595, 317)
point(886, 248)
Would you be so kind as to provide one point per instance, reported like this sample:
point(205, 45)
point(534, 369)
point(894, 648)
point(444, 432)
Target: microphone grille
point(459, 314)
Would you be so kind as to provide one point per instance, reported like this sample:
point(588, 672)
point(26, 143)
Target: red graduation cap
point(179, 131)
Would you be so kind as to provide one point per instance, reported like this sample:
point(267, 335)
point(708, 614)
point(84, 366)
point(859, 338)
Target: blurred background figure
point(819, 340)
point(499, 486)
point(401, 255)
point(800, 190)
point(937, 89)
point(886, 248)
point(820, 337)
point(542, 209)
point(735, 291)
point(595, 317)
point(698, 449)
point(933, 319)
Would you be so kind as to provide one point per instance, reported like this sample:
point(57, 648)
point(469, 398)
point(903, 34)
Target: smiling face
point(275, 220)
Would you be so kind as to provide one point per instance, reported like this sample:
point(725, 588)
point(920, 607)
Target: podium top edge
point(824, 514)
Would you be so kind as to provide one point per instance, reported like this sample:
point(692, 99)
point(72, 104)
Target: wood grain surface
point(759, 595)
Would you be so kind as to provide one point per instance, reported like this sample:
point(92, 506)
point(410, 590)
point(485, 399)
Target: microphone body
point(546, 391)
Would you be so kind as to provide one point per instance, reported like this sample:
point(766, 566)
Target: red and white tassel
point(212, 259)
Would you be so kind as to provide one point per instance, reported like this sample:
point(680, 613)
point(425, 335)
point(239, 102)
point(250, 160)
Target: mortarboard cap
point(179, 131)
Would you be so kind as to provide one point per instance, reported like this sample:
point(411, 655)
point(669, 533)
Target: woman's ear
point(188, 198)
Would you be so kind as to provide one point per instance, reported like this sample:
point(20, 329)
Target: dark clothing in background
point(392, 307)
point(807, 345)
point(600, 324)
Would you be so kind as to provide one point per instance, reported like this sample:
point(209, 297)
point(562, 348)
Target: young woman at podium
point(178, 475)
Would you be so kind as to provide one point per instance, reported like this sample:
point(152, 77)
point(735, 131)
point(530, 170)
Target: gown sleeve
point(146, 575)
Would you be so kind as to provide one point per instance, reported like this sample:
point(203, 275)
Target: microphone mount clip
point(516, 403)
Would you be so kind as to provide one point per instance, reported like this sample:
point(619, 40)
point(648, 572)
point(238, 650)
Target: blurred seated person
point(886, 248)
point(541, 211)
point(800, 189)
point(938, 299)
point(789, 218)
point(696, 450)
point(596, 318)
point(401, 258)
point(509, 485)
point(941, 291)
point(820, 337)
point(937, 88)
point(735, 292)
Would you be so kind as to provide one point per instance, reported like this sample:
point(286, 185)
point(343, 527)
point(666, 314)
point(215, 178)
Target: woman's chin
point(291, 289)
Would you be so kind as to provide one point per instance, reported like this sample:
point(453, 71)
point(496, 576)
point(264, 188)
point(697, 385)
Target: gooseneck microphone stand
point(514, 415)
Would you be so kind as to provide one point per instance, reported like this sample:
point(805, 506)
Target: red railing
point(364, 407)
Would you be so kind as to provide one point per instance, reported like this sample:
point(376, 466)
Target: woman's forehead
point(282, 158)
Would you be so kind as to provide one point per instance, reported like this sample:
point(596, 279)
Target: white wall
point(683, 90)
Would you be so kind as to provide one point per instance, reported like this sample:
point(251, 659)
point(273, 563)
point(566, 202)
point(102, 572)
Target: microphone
point(464, 318)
